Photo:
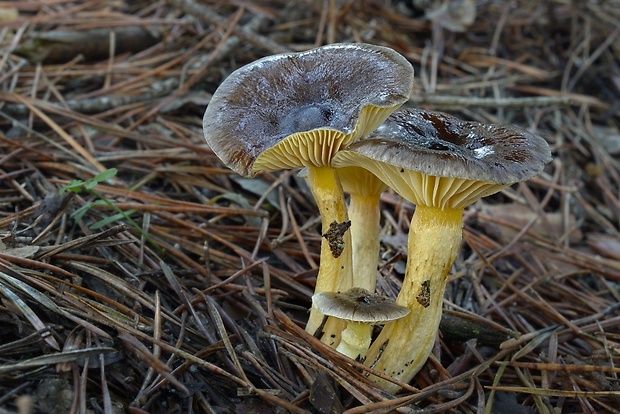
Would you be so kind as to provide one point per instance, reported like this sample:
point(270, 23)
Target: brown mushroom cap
point(358, 305)
point(435, 159)
point(322, 99)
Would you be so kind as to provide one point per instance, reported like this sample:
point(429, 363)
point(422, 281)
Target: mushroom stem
point(335, 272)
point(365, 214)
point(404, 345)
point(355, 340)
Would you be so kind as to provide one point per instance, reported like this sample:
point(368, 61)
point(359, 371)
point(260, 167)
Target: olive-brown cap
point(312, 103)
point(436, 159)
point(359, 305)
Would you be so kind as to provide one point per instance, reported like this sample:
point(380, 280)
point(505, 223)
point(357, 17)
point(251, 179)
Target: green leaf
point(101, 177)
point(112, 219)
point(78, 214)
point(74, 186)
point(78, 185)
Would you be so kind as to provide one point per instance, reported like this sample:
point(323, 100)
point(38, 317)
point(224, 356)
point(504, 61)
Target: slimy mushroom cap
point(435, 159)
point(298, 109)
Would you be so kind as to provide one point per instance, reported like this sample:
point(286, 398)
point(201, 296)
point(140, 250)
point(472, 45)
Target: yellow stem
point(364, 213)
point(404, 345)
point(355, 340)
point(335, 272)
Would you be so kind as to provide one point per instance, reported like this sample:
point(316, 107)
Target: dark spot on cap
point(434, 145)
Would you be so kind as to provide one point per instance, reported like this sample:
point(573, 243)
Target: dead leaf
point(454, 15)
point(25, 252)
point(324, 397)
point(508, 219)
point(609, 138)
point(605, 245)
point(258, 187)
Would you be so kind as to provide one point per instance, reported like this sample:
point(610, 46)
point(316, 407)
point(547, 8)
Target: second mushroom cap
point(359, 305)
point(435, 159)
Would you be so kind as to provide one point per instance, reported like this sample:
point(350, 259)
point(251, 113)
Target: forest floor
point(139, 274)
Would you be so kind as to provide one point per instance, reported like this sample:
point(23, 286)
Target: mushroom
point(441, 164)
point(360, 309)
point(297, 110)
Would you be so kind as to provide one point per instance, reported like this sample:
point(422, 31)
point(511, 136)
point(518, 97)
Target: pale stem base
point(355, 340)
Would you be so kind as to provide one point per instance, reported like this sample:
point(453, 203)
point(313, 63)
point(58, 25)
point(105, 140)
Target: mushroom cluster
point(334, 112)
